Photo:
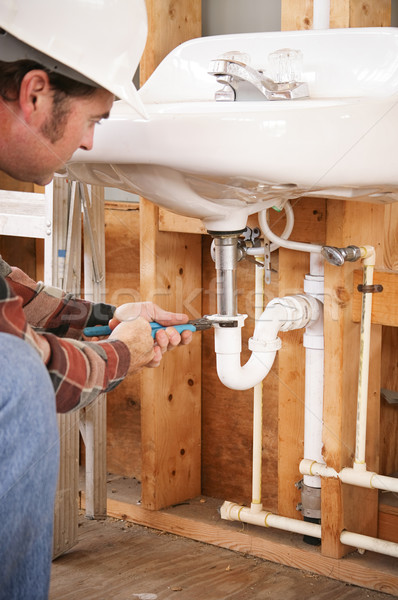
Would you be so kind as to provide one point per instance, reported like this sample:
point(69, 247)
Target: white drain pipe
point(313, 342)
point(281, 314)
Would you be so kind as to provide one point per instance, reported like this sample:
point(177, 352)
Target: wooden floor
point(117, 560)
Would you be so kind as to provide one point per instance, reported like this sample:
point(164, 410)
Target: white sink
point(220, 161)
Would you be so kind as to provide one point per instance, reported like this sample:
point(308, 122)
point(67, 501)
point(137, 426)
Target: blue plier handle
point(101, 330)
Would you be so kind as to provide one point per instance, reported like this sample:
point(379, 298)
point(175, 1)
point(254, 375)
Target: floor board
point(117, 560)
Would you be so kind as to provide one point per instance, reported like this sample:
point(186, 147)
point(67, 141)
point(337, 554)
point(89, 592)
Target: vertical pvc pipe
point(364, 351)
point(321, 14)
point(313, 342)
point(258, 404)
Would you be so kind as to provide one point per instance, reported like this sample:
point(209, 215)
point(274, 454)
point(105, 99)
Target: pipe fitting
point(368, 255)
point(226, 257)
point(338, 256)
point(297, 311)
point(281, 314)
point(265, 345)
point(310, 505)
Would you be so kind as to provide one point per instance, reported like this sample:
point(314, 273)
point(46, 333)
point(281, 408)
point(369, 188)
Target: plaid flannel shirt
point(43, 316)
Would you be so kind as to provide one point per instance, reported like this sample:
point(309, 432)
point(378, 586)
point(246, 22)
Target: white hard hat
point(102, 40)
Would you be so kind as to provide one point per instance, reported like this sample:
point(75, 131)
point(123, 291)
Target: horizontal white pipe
point(360, 478)
point(311, 467)
point(365, 542)
point(235, 512)
point(369, 479)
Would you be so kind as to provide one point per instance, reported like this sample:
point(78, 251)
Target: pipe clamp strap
point(370, 289)
point(265, 519)
point(265, 346)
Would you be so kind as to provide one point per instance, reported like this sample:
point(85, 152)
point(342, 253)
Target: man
point(61, 63)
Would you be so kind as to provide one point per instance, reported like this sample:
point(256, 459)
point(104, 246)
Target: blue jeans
point(29, 456)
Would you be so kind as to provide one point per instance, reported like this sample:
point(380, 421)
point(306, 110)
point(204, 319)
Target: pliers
point(193, 325)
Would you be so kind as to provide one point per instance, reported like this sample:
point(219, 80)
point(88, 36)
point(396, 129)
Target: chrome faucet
point(242, 82)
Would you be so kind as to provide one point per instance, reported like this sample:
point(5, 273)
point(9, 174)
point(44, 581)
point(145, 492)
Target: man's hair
point(12, 74)
point(64, 88)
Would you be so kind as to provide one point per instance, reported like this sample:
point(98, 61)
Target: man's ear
point(35, 95)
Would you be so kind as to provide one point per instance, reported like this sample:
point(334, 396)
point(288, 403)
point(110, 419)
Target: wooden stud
point(296, 14)
point(359, 224)
point(122, 242)
point(370, 14)
point(170, 395)
point(171, 277)
point(384, 304)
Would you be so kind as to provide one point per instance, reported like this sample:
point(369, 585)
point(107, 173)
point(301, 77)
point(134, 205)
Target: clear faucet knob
point(286, 65)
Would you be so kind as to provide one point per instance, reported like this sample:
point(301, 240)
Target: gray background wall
point(240, 16)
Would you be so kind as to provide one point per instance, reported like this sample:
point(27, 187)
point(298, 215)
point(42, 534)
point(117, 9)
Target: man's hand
point(145, 353)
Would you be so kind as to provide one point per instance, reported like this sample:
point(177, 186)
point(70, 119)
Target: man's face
point(44, 147)
point(62, 133)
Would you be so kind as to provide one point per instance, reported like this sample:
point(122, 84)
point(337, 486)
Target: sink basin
point(222, 161)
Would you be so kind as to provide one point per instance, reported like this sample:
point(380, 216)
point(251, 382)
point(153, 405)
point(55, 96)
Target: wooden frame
point(170, 276)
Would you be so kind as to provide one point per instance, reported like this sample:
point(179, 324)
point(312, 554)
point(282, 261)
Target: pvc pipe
point(351, 476)
point(313, 341)
point(314, 376)
point(279, 241)
point(258, 404)
point(321, 14)
point(235, 512)
point(281, 314)
point(311, 467)
point(365, 542)
point(317, 266)
point(368, 254)
point(229, 369)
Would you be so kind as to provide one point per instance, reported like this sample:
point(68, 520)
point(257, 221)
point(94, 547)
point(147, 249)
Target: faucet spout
point(237, 77)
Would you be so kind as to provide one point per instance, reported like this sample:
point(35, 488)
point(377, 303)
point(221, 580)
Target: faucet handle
point(286, 65)
point(236, 56)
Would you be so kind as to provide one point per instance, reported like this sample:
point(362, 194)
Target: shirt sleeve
point(79, 370)
point(52, 310)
